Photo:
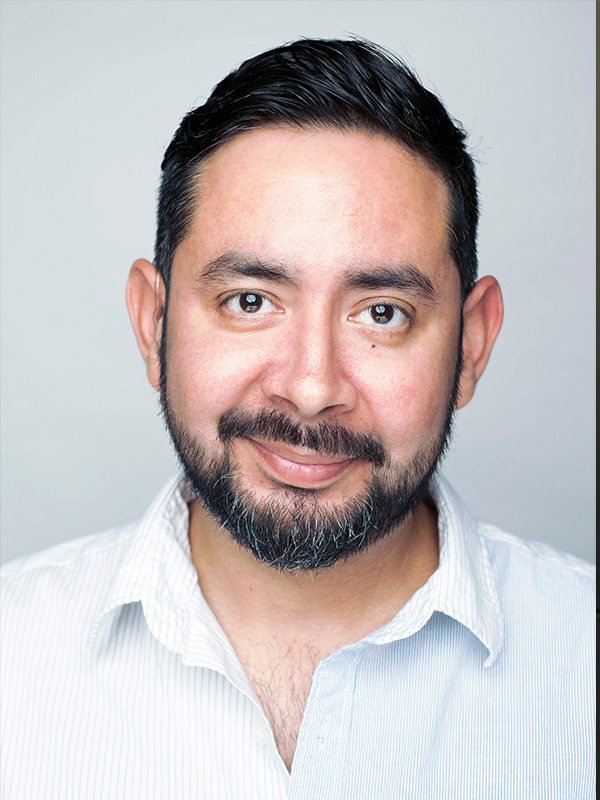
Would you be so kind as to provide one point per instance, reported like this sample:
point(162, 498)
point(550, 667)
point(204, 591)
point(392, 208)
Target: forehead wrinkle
point(404, 277)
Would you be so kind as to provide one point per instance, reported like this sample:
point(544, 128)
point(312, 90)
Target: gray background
point(91, 95)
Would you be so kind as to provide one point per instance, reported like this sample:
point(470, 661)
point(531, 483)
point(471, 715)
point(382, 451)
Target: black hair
point(323, 83)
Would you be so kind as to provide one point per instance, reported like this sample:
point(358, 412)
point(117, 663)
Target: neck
point(327, 608)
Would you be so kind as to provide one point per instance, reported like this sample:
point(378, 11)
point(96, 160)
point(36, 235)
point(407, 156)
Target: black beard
point(294, 529)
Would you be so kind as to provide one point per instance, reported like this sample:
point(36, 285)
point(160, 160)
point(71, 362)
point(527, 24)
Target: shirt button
point(262, 733)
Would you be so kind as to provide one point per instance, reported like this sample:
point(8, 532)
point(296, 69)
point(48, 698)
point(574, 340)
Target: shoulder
point(68, 555)
point(511, 553)
point(65, 582)
point(88, 553)
point(547, 600)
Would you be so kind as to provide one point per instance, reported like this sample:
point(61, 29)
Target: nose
point(308, 375)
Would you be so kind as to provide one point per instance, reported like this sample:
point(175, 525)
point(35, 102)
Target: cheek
point(208, 374)
point(409, 404)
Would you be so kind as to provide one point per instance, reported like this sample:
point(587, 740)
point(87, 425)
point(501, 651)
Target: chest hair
point(281, 679)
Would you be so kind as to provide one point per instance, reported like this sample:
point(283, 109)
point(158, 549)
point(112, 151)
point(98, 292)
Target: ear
point(482, 319)
point(146, 303)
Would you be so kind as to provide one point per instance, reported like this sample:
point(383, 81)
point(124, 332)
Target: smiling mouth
point(307, 470)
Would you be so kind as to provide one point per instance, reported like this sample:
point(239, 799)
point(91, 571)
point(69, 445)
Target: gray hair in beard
point(294, 529)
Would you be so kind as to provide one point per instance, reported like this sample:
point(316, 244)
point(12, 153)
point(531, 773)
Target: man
point(310, 611)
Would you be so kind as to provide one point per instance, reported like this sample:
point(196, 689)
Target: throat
point(282, 625)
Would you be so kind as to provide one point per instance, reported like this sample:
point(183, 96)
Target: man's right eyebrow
point(235, 264)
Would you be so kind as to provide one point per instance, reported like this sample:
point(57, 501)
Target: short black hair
point(339, 84)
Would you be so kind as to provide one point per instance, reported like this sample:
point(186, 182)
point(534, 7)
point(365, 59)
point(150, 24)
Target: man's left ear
point(482, 319)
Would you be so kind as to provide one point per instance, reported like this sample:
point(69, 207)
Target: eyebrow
point(235, 264)
point(405, 277)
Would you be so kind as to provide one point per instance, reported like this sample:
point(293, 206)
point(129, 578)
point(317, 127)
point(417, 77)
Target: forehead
point(322, 198)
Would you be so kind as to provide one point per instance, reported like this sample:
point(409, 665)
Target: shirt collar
point(157, 571)
point(462, 587)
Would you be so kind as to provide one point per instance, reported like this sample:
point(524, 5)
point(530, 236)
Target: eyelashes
point(248, 302)
point(252, 303)
point(384, 315)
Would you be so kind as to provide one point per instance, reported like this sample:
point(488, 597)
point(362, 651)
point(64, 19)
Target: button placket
point(261, 732)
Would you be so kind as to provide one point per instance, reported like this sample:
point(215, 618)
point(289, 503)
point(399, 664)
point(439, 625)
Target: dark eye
point(249, 303)
point(382, 315)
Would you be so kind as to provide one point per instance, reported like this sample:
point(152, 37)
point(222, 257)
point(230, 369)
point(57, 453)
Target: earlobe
point(482, 319)
point(145, 303)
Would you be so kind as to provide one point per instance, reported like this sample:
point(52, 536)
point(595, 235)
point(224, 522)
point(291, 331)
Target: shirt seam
point(27, 569)
point(500, 536)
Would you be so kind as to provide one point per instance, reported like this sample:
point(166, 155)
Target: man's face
point(312, 337)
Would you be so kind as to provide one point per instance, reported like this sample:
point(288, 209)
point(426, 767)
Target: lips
point(307, 470)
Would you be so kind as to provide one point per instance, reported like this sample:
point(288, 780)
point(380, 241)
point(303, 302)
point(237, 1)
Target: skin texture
point(320, 206)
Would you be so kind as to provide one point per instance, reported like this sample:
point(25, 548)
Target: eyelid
point(239, 292)
point(366, 305)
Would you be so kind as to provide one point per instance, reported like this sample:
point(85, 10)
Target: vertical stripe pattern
point(118, 682)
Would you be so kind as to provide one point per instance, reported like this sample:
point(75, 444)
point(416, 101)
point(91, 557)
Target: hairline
point(197, 166)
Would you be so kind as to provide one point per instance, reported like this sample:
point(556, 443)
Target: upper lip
point(299, 456)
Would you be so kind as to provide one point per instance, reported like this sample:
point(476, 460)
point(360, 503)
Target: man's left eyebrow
point(404, 277)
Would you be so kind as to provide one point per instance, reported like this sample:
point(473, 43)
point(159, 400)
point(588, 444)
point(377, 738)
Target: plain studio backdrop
point(92, 93)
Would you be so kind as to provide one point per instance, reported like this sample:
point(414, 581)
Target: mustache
point(325, 437)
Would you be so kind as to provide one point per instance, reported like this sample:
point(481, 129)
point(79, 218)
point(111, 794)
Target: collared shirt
point(119, 682)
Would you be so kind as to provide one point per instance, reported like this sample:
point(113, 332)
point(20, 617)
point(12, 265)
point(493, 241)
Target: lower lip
point(303, 476)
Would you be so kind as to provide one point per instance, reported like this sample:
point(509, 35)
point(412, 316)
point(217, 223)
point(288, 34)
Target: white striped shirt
point(119, 683)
